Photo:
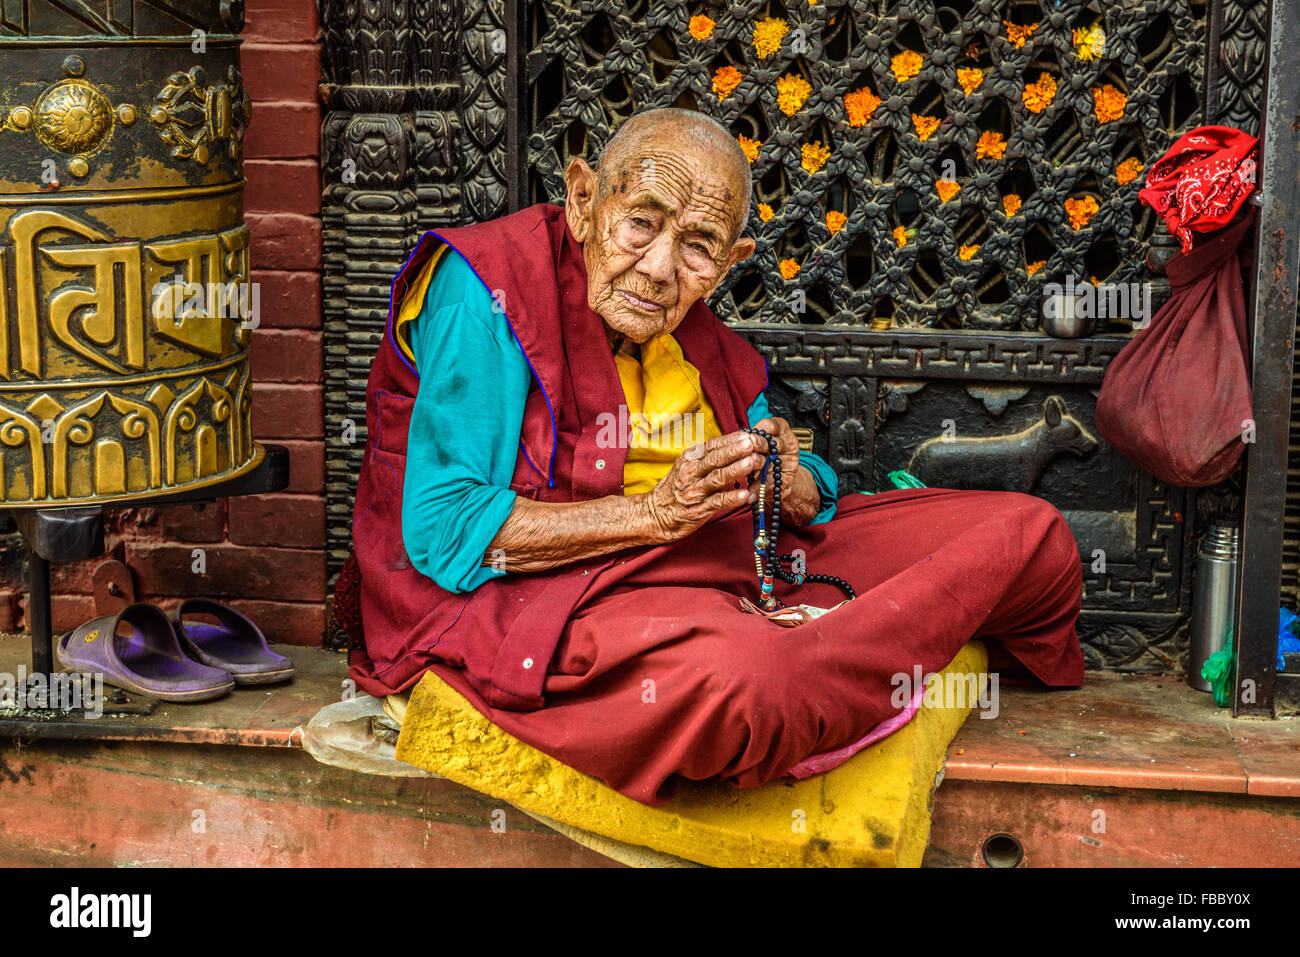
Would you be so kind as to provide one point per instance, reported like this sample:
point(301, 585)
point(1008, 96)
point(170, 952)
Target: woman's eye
point(640, 223)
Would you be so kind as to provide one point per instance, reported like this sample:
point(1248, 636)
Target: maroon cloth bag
point(1176, 400)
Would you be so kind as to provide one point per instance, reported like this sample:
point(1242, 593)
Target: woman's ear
point(580, 198)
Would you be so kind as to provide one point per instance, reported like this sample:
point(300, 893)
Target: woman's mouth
point(636, 302)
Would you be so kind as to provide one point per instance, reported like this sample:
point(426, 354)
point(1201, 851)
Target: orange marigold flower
point(860, 105)
point(1108, 103)
point(1032, 268)
point(1081, 211)
point(991, 145)
point(1018, 34)
point(946, 188)
point(814, 155)
point(726, 79)
point(925, 125)
point(701, 27)
point(791, 91)
point(768, 35)
point(900, 236)
point(1038, 96)
point(1011, 204)
point(1127, 171)
point(906, 65)
point(751, 147)
point(973, 49)
point(765, 212)
point(966, 252)
point(970, 77)
point(789, 269)
point(835, 220)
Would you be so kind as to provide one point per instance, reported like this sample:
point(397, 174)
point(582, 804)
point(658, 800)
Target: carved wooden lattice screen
point(539, 82)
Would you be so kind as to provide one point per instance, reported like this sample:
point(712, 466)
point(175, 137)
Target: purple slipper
point(232, 643)
point(136, 649)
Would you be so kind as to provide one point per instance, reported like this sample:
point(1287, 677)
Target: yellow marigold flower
point(900, 236)
point(1108, 103)
point(991, 145)
point(791, 91)
point(1090, 43)
point(1081, 211)
point(768, 35)
point(814, 155)
point(966, 252)
point(701, 27)
point(925, 125)
point(1011, 204)
point(765, 212)
point(1038, 96)
point(946, 188)
point(970, 77)
point(726, 79)
point(1127, 171)
point(1032, 268)
point(860, 105)
point(1018, 34)
point(835, 220)
point(789, 269)
point(906, 65)
point(751, 147)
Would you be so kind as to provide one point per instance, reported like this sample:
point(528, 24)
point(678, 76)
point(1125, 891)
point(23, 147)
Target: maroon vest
point(504, 632)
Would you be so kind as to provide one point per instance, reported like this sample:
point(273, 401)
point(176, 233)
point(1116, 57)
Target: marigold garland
point(966, 252)
point(1032, 268)
point(1011, 204)
point(814, 155)
point(991, 145)
point(726, 79)
point(835, 220)
point(765, 212)
point(751, 147)
point(1018, 34)
point(925, 125)
point(1080, 211)
point(1108, 103)
point(791, 92)
point(906, 65)
point(701, 27)
point(1038, 96)
point(768, 35)
point(946, 188)
point(970, 77)
point(860, 105)
point(1127, 171)
point(789, 269)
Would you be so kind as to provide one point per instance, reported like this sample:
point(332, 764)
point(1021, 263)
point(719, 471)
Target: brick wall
point(264, 554)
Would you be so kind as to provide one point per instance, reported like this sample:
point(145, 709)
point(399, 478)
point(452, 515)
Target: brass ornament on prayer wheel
point(126, 302)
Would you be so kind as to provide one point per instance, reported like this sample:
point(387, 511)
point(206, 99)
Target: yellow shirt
point(666, 410)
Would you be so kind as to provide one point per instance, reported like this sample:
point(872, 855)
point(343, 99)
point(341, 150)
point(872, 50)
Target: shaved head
point(646, 132)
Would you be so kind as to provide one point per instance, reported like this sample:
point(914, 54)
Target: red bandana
point(1199, 185)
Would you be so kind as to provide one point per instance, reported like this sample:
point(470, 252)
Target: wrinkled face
point(661, 239)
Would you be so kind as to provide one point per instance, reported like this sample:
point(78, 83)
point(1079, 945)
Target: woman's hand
point(800, 499)
point(706, 479)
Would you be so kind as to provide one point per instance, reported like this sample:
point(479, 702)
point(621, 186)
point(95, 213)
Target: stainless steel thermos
point(1214, 597)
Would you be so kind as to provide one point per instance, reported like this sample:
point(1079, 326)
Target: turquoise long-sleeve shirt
point(465, 426)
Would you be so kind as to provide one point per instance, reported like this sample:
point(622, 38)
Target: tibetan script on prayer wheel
point(126, 305)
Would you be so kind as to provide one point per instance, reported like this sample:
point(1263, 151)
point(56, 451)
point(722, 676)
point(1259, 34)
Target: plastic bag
point(348, 735)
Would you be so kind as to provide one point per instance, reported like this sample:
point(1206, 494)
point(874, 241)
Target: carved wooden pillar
point(388, 174)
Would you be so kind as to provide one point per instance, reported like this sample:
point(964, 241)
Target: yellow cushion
point(871, 811)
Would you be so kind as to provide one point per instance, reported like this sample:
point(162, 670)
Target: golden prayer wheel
point(126, 305)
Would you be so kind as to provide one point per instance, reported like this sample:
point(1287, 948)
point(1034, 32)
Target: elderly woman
point(524, 529)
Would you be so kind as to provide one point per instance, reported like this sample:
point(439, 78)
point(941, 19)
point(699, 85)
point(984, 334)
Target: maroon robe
point(640, 667)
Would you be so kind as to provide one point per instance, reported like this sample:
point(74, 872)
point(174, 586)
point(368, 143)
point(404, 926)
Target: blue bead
point(767, 589)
